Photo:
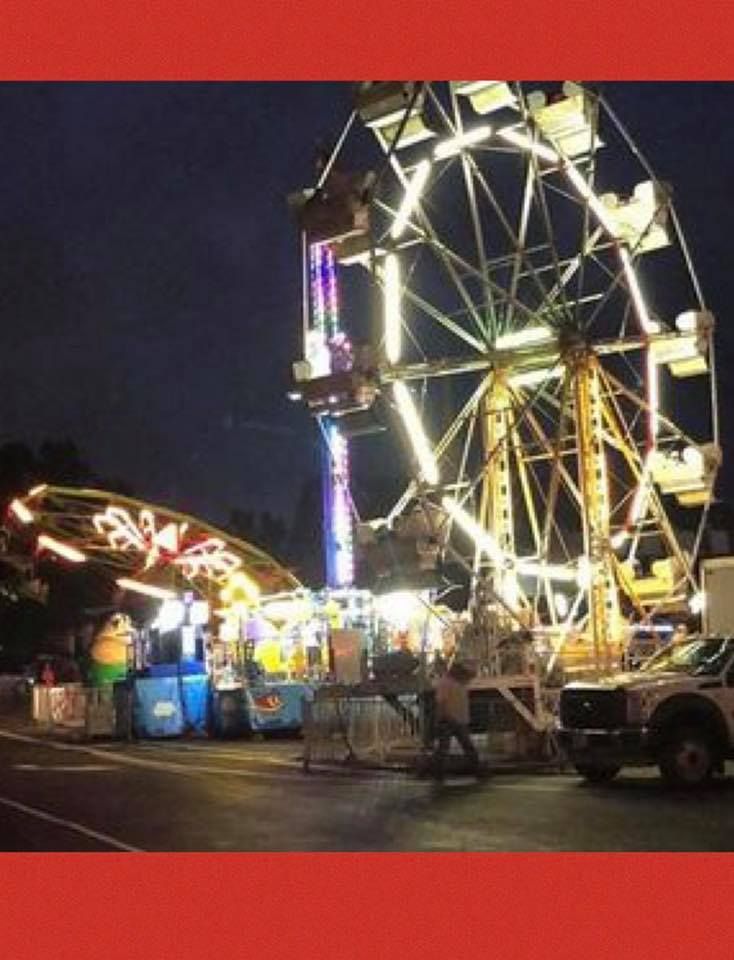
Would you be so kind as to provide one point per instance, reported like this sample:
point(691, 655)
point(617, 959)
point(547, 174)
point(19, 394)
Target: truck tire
point(687, 757)
point(597, 773)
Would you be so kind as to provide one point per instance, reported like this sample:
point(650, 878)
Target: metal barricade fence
point(87, 711)
point(509, 722)
point(363, 730)
point(60, 706)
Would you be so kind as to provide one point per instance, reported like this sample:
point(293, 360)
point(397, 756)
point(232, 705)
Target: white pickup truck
point(676, 711)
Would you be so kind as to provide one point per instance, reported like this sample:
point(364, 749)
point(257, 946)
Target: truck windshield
point(695, 657)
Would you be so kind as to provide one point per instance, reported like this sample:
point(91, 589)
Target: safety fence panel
point(100, 713)
point(87, 711)
point(511, 724)
point(374, 730)
point(60, 706)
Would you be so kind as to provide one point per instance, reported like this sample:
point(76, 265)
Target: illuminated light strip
point(317, 290)
point(393, 320)
point(328, 271)
point(648, 326)
point(146, 589)
point(653, 398)
point(410, 198)
point(341, 527)
point(35, 491)
point(640, 499)
point(210, 558)
point(482, 540)
point(21, 511)
point(523, 338)
point(532, 378)
point(338, 527)
point(485, 542)
point(571, 171)
point(414, 429)
point(454, 146)
point(122, 532)
point(317, 352)
point(595, 205)
point(522, 140)
point(64, 550)
point(547, 571)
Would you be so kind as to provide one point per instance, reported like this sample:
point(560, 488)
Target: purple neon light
point(338, 533)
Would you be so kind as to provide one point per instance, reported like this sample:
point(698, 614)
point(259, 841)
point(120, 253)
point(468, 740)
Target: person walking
point(452, 718)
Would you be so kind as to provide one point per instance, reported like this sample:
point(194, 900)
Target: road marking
point(214, 752)
point(60, 768)
point(70, 825)
point(167, 766)
point(554, 785)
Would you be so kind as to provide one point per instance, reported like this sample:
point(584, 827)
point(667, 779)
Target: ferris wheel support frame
point(602, 597)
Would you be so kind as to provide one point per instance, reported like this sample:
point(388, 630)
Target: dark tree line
point(58, 462)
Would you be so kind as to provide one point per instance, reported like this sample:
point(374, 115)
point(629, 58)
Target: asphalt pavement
point(205, 795)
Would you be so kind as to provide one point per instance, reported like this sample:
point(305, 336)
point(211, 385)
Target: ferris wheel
point(542, 349)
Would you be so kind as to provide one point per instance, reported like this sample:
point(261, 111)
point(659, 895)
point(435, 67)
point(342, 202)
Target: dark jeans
point(445, 730)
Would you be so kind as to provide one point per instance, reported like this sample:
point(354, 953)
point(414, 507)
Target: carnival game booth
point(273, 652)
point(256, 661)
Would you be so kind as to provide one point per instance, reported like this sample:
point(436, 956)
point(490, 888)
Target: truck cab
point(676, 711)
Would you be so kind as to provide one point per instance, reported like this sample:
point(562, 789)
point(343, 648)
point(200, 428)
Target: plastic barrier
point(157, 707)
point(276, 706)
point(195, 697)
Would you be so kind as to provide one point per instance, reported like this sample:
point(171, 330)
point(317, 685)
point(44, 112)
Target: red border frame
point(371, 905)
point(353, 906)
point(347, 39)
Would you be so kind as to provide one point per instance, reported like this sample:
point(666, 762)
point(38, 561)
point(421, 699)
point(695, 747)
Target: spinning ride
point(147, 549)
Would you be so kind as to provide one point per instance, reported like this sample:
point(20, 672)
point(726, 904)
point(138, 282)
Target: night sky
point(150, 272)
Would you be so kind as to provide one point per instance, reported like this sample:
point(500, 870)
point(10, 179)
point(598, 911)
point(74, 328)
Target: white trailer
point(718, 592)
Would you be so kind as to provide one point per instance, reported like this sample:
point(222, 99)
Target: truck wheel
point(687, 758)
point(596, 773)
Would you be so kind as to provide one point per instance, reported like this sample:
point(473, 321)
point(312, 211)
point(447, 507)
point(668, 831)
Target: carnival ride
point(544, 353)
point(142, 548)
point(199, 591)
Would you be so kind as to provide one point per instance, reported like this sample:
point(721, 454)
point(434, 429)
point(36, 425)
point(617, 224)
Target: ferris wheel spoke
point(444, 320)
point(517, 242)
point(464, 417)
point(644, 406)
point(476, 223)
point(472, 173)
point(441, 251)
point(556, 475)
point(453, 261)
point(653, 501)
point(540, 198)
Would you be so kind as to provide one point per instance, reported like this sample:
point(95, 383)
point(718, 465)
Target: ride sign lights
point(167, 544)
